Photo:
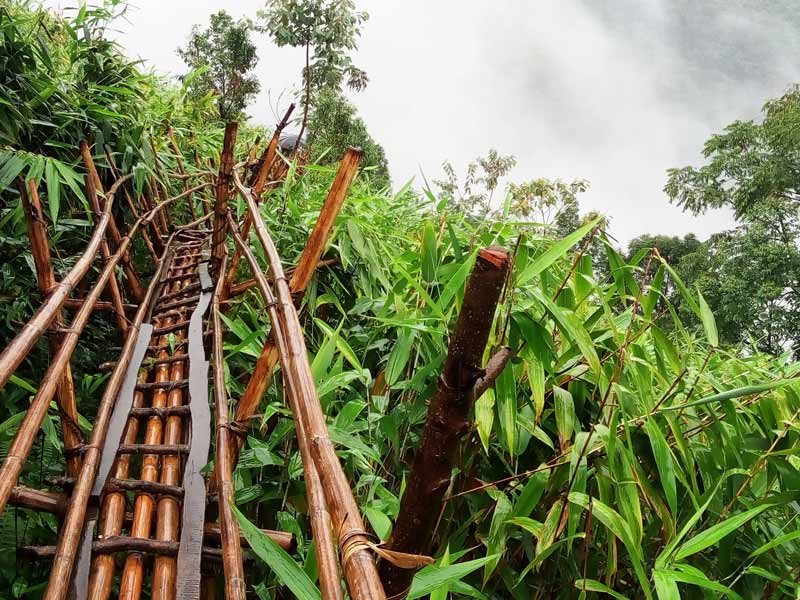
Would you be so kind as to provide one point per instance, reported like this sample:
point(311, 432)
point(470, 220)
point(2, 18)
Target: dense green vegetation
point(641, 444)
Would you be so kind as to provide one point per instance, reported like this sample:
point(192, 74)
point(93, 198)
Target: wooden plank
point(194, 502)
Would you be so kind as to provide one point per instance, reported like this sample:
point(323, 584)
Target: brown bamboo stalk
point(167, 221)
point(321, 524)
point(448, 418)
point(235, 588)
point(113, 285)
point(65, 396)
point(72, 529)
point(259, 183)
point(357, 558)
point(221, 197)
point(26, 434)
point(301, 277)
point(179, 158)
point(134, 286)
point(155, 200)
point(18, 349)
point(132, 205)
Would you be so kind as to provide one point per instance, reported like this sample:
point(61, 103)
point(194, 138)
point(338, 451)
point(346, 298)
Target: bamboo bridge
point(137, 515)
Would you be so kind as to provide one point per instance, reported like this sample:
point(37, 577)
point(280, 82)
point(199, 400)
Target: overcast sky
point(614, 92)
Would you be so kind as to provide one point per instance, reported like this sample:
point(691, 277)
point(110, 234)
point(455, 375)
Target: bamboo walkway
point(138, 517)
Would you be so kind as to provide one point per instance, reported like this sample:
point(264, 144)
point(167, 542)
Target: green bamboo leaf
point(554, 252)
point(288, 572)
point(53, 190)
point(506, 397)
point(565, 416)
point(536, 381)
point(456, 282)
point(714, 534)
point(707, 317)
point(778, 541)
point(398, 358)
point(484, 417)
point(434, 576)
point(612, 520)
point(429, 253)
point(572, 328)
point(592, 585)
point(748, 390)
point(664, 463)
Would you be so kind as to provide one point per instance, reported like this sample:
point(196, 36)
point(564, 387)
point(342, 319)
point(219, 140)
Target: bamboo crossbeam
point(72, 529)
point(134, 286)
point(321, 525)
point(447, 419)
point(18, 349)
point(55, 503)
point(45, 276)
point(237, 289)
point(357, 557)
point(235, 588)
point(99, 306)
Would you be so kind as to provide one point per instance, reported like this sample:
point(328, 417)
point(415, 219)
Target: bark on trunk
point(447, 419)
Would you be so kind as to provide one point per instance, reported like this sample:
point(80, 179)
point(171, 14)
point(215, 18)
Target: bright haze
point(613, 92)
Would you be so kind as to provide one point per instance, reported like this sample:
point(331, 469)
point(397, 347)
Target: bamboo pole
point(179, 158)
point(321, 524)
point(134, 286)
point(356, 553)
point(301, 276)
point(18, 349)
point(113, 286)
point(448, 418)
point(235, 588)
point(45, 276)
point(222, 192)
point(132, 205)
point(259, 184)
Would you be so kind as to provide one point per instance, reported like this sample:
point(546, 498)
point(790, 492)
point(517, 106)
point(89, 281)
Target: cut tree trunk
point(448, 419)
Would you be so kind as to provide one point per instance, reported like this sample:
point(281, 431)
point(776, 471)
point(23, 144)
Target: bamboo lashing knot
point(355, 541)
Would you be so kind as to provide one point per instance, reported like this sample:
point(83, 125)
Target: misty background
point(615, 92)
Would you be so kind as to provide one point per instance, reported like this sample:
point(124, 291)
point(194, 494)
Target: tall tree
point(474, 194)
point(750, 275)
point(328, 30)
point(335, 125)
point(223, 57)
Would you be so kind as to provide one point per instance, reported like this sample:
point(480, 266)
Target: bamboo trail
point(139, 518)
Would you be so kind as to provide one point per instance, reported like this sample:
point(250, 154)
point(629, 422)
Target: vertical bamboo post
point(65, 396)
point(113, 286)
point(259, 184)
point(235, 588)
point(134, 286)
point(221, 196)
point(447, 418)
point(179, 158)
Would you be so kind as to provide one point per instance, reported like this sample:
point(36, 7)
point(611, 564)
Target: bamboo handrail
point(72, 528)
point(18, 349)
point(221, 193)
point(301, 277)
point(235, 588)
point(321, 525)
point(357, 558)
